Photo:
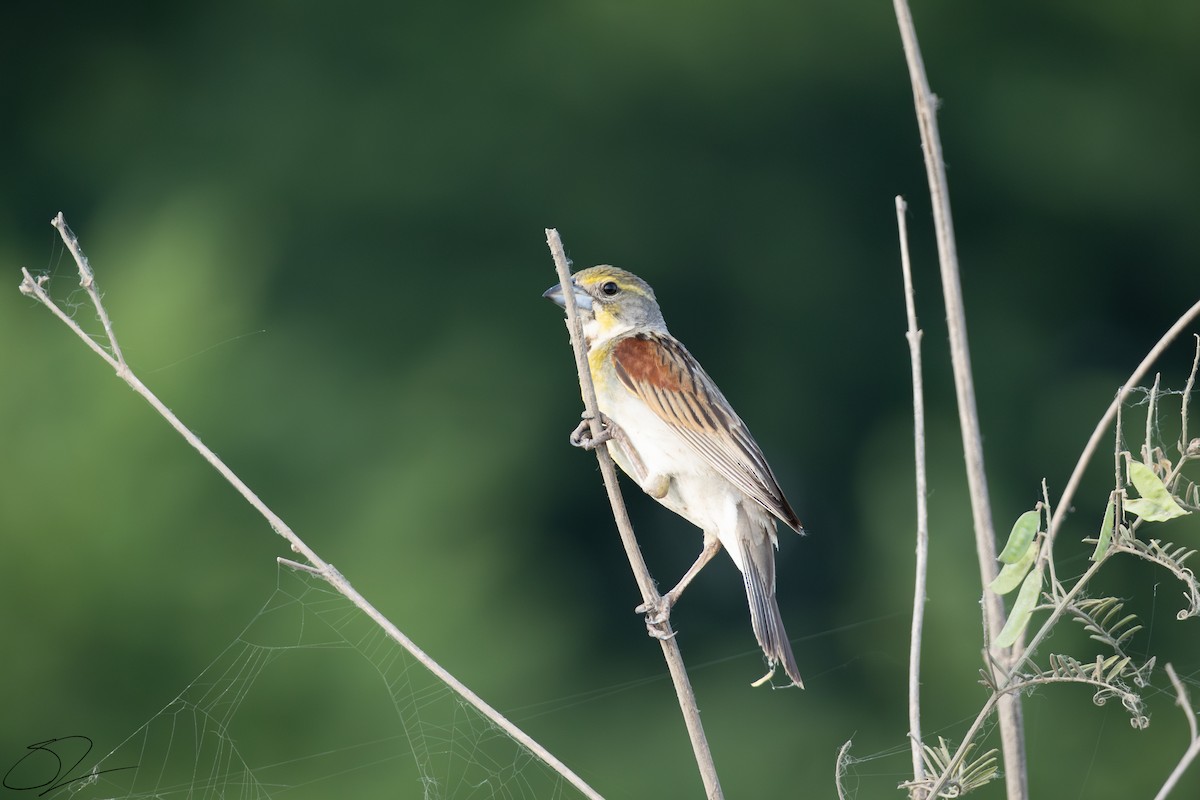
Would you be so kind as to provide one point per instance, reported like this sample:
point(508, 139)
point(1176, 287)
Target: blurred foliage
point(320, 234)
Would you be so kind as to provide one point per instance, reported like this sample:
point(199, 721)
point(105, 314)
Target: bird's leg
point(630, 459)
point(656, 485)
point(712, 546)
point(658, 614)
point(582, 435)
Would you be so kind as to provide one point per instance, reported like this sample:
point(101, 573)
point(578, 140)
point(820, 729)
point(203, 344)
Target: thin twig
point(674, 659)
point(35, 288)
point(1118, 462)
point(965, 746)
point(1059, 610)
point(1151, 419)
point(87, 279)
point(922, 568)
point(299, 567)
point(1181, 697)
point(1184, 441)
point(1056, 588)
point(1085, 458)
point(1011, 729)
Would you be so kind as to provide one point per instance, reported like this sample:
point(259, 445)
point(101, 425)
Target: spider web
point(219, 737)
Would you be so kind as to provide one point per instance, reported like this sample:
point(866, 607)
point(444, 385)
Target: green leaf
point(1010, 576)
point(1155, 504)
point(1106, 529)
point(1022, 609)
point(1023, 531)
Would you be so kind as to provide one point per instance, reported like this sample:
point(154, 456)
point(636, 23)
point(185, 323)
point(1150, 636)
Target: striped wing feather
point(664, 374)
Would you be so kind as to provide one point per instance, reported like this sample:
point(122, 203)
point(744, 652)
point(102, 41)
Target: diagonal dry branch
point(1114, 408)
point(35, 288)
point(1181, 699)
point(671, 653)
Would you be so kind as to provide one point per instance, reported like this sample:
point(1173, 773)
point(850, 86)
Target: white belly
point(697, 491)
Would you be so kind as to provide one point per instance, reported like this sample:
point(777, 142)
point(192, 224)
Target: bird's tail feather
point(764, 615)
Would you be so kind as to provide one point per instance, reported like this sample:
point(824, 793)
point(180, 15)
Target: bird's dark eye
point(610, 288)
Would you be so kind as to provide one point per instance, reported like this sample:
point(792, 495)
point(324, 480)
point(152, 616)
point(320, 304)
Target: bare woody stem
point(671, 653)
point(922, 566)
point(1011, 728)
point(326, 571)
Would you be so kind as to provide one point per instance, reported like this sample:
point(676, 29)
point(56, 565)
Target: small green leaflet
point(1022, 609)
point(1155, 504)
point(1023, 531)
point(1106, 529)
point(1010, 576)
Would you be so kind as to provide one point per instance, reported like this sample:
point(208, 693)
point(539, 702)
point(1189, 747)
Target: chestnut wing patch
point(660, 371)
point(671, 381)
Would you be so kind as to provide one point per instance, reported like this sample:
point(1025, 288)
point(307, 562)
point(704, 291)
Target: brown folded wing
point(660, 371)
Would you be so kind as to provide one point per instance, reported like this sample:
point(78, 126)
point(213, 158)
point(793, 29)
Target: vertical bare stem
point(918, 616)
point(1011, 730)
point(1187, 395)
point(671, 653)
point(1117, 482)
point(1151, 418)
point(1056, 588)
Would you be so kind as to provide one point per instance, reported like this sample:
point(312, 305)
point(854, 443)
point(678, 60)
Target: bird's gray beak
point(555, 295)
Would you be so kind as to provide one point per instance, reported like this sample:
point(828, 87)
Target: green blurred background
point(320, 235)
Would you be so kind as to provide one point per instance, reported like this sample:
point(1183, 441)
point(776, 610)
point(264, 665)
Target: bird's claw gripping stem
point(658, 617)
point(582, 435)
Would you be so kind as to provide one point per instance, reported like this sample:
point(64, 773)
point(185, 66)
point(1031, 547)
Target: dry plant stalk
point(671, 653)
point(1011, 728)
point(922, 566)
point(35, 288)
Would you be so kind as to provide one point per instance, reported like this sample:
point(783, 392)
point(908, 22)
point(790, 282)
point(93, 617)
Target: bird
point(671, 430)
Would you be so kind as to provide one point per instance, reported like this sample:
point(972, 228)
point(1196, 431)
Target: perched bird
point(668, 426)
